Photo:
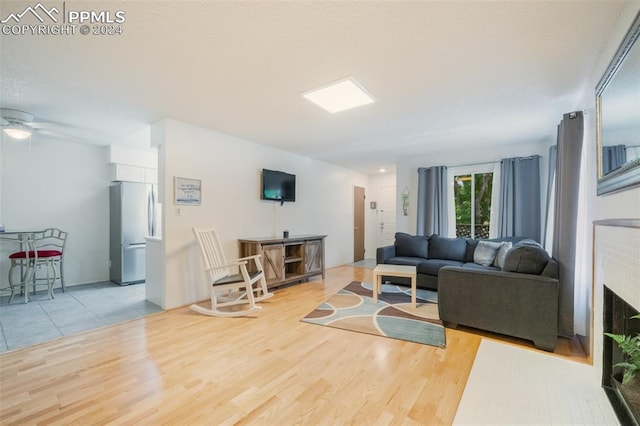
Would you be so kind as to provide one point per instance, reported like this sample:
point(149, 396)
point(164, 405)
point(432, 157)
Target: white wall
point(54, 183)
point(407, 170)
point(230, 168)
point(624, 204)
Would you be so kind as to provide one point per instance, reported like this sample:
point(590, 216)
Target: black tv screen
point(279, 186)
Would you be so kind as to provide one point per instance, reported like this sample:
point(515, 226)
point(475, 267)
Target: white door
point(386, 215)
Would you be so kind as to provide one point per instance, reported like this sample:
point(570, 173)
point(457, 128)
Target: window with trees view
point(472, 198)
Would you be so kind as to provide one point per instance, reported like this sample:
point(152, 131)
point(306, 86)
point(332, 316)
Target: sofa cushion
point(551, 270)
point(526, 259)
point(485, 253)
point(401, 260)
point(432, 266)
point(447, 248)
point(502, 253)
point(411, 245)
point(472, 265)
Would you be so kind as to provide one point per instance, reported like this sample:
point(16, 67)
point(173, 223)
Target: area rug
point(352, 308)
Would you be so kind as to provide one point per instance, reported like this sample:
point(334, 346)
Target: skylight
point(339, 96)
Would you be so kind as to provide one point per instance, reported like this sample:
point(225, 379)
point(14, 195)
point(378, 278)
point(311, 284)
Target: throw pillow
point(485, 253)
point(447, 248)
point(526, 259)
point(411, 245)
point(502, 253)
point(471, 248)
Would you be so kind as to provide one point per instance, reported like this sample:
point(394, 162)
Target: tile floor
point(79, 308)
point(366, 263)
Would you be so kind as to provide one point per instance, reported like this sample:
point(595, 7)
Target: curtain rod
point(461, 165)
point(481, 164)
point(477, 164)
point(491, 162)
point(521, 158)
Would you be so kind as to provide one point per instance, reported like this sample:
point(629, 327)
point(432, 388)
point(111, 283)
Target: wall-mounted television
point(278, 186)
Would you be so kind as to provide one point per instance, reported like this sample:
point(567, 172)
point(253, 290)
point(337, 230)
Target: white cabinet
point(123, 172)
point(133, 165)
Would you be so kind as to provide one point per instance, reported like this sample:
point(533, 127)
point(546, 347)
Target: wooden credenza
point(286, 260)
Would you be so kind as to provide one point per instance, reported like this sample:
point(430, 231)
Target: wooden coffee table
point(394, 271)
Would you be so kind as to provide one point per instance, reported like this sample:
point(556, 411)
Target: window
point(470, 202)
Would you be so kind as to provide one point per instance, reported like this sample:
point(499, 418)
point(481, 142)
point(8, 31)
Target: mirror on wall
point(618, 117)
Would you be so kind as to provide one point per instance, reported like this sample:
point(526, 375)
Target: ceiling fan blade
point(46, 128)
point(57, 135)
point(43, 125)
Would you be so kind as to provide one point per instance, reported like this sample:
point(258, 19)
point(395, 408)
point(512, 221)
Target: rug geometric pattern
point(352, 308)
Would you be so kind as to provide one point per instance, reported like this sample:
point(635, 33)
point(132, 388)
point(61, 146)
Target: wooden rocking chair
point(231, 277)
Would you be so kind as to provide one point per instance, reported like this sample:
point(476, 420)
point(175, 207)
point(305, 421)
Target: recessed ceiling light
point(382, 170)
point(339, 96)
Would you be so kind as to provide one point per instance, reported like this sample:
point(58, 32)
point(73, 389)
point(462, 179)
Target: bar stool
point(47, 252)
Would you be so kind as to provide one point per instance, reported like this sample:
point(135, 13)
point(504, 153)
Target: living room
point(324, 194)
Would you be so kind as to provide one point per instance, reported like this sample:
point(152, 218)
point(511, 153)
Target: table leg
point(376, 279)
point(413, 291)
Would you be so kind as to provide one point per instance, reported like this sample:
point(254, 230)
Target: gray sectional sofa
point(431, 253)
point(507, 286)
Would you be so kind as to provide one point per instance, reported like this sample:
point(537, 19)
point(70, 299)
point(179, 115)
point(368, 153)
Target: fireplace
point(624, 399)
point(616, 298)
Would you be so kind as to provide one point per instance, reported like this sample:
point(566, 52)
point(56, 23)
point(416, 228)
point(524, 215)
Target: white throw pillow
point(485, 253)
point(502, 253)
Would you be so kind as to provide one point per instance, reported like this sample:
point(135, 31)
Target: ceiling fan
point(20, 125)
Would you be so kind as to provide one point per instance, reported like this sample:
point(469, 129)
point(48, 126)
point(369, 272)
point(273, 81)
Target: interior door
point(386, 215)
point(358, 223)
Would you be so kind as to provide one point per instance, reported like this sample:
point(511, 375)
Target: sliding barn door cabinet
point(287, 260)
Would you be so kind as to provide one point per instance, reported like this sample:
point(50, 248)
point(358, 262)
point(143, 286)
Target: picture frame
point(187, 191)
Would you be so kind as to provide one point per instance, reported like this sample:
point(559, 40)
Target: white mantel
point(616, 264)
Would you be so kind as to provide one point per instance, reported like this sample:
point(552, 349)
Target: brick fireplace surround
point(616, 265)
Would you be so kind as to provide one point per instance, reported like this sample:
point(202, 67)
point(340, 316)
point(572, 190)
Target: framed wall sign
point(188, 191)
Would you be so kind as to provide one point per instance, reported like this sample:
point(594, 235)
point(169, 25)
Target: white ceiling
point(454, 74)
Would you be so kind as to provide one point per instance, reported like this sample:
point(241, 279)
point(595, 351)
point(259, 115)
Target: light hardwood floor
point(178, 367)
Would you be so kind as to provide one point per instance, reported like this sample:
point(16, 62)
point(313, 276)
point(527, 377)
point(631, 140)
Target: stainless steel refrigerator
point(132, 218)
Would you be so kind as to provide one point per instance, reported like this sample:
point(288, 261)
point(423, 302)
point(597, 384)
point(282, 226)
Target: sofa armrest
point(515, 304)
point(384, 253)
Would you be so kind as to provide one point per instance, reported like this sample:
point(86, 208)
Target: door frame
point(359, 197)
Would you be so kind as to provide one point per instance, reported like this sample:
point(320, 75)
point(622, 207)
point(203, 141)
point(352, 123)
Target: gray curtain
point(432, 201)
point(613, 157)
point(570, 134)
point(519, 208)
point(548, 221)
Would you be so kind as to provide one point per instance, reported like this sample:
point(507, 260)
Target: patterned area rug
point(352, 308)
